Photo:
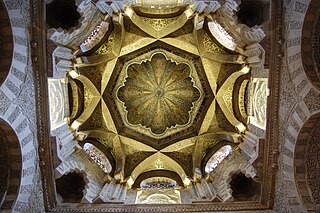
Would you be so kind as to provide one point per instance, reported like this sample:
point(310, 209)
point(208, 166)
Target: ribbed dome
point(158, 94)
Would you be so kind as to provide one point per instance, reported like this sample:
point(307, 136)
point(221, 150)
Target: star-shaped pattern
point(130, 39)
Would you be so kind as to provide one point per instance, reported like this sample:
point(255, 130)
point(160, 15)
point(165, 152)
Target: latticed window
point(98, 157)
point(217, 158)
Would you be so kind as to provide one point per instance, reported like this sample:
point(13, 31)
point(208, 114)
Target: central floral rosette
point(158, 93)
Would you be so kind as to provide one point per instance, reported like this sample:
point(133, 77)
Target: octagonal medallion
point(158, 95)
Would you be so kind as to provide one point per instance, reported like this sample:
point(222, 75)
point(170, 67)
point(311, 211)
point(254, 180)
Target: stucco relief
point(258, 108)
point(156, 99)
point(57, 99)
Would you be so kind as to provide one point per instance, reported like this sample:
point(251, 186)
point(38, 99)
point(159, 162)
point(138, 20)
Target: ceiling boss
point(161, 82)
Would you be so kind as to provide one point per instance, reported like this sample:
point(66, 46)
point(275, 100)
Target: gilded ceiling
point(158, 94)
point(157, 88)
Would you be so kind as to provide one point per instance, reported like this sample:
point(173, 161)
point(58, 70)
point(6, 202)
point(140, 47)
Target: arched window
point(217, 158)
point(221, 35)
point(98, 157)
point(158, 182)
point(158, 190)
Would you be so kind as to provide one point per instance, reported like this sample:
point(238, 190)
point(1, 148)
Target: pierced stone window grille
point(217, 158)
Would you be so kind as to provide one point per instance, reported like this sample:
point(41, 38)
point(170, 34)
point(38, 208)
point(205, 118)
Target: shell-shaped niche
point(158, 93)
